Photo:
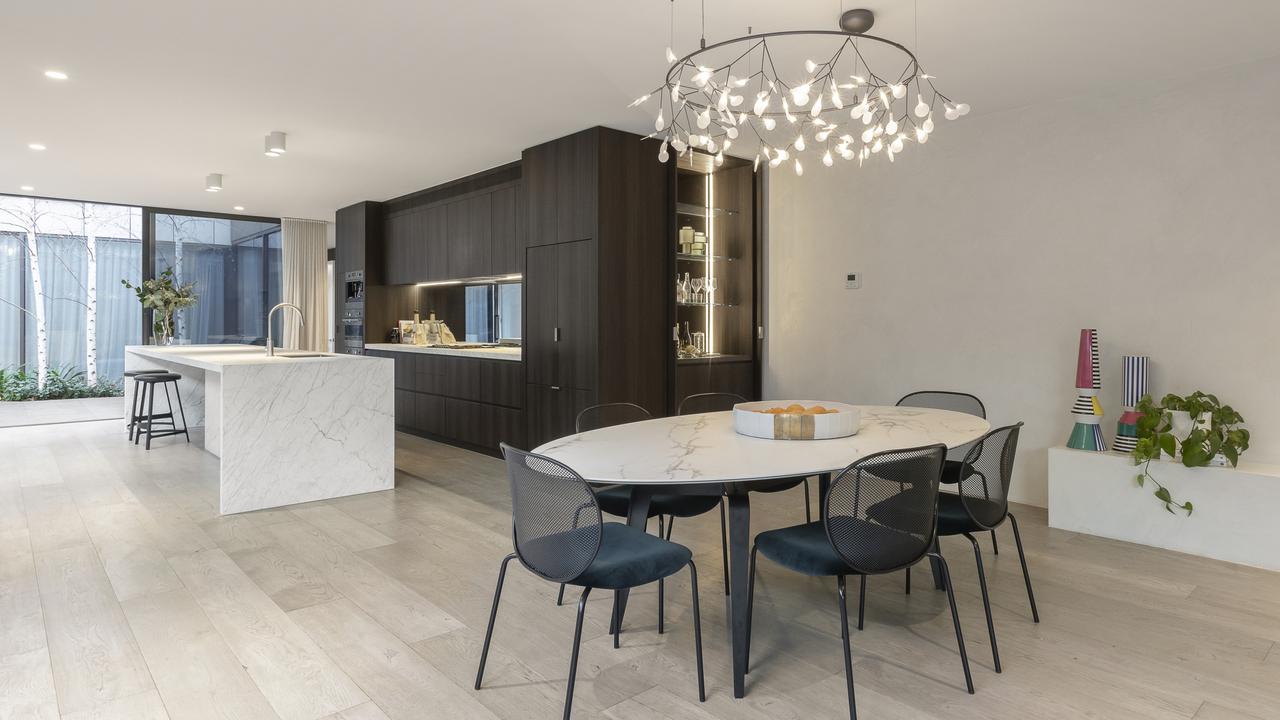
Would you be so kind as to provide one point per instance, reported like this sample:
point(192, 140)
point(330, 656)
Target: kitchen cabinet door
point(397, 244)
point(576, 313)
point(541, 302)
point(507, 252)
point(469, 237)
point(435, 244)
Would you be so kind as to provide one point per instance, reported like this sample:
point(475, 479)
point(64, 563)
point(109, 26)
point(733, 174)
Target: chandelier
point(855, 96)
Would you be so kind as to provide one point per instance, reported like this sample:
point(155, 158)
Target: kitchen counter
point(292, 428)
point(493, 353)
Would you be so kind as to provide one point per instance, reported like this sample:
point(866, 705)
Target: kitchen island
point(289, 428)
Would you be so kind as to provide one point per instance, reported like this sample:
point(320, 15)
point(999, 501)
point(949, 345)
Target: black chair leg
point(617, 626)
point(1026, 576)
point(986, 600)
point(493, 615)
point(937, 550)
point(751, 604)
point(955, 619)
point(808, 514)
point(560, 596)
point(908, 581)
point(671, 525)
point(995, 544)
point(697, 633)
point(844, 638)
point(577, 645)
point(724, 547)
point(862, 600)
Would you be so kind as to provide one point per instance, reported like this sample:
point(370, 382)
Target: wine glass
point(696, 284)
point(712, 284)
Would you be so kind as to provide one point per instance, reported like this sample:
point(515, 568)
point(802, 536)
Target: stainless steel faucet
point(271, 348)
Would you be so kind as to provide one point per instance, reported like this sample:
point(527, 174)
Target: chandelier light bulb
point(868, 135)
point(826, 159)
point(775, 162)
point(671, 56)
point(663, 156)
point(963, 109)
point(755, 167)
point(822, 136)
point(638, 100)
point(762, 102)
point(858, 80)
point(928, 124)
point(770, 123)
point(704, 119)
point(922, 108)
point(816, 110)
point(892, 127)
point(896, 145)
point(922, 137)
point(731, 133)
point(735, 100)
point(836, 101)
point(786, 109)
point(899, 91)
point(877, 146)
point(799, 142)
point(950, 111)
point(810, 66)
point(799, 167)
point(884, 97)
point(659, 123)
point(679, 145)
point(719, 159)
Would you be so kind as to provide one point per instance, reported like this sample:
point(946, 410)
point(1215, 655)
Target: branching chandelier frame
point(731, 93)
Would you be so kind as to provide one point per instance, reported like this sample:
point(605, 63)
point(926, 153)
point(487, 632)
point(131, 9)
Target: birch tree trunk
point(91, 309)
point(42, 330)
point(179, 325)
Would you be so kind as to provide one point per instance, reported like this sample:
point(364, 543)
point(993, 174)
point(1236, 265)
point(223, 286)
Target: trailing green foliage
point(1224, 435)
point(60, 384)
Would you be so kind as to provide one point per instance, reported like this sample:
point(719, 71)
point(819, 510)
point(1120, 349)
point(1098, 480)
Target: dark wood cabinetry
point(473, 402)
point(595, 277)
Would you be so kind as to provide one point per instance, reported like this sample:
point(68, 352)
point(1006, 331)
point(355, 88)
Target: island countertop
point(216, 357)
point(514, 354)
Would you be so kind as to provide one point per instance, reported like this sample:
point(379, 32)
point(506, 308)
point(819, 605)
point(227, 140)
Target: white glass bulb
point(896, 145)
point(735, 100)
point(800, 94)
point(799, 167)
point(663, 156)
point(877, 146)
point(928, 124)
point(951, 112)
point(638, 100)
point(892, 126)
point(786, 109)
point(711, 145)
point(678, 144)
point(922, 108)
point(846, 153)
point(890, 154)
point(816, 110)
point(810, 66)
point(799, 143)
point(822, 135)
point(858, 80)
point(878, 130)
point(724, 146)
point(762, 102)
point(836, 100)
point(868, 116)
point(671, 55)
point(704, 119)
point(827, 160)
point(755, 167)
point(868, 135)
point(899, 91)
point(659, 123)
point(859, 109)
point(675, 92)
point(922, 137)
point(963, 109)
point(732, 133)
point(782, 154)
point(884, 98)
point(775, 162)
point(719, 159)
point(770, 123)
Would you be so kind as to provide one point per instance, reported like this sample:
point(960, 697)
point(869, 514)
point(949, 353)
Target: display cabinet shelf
point(685, 257)
point(683, 208)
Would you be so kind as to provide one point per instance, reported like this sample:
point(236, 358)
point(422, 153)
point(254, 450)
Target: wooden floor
point(123, 594)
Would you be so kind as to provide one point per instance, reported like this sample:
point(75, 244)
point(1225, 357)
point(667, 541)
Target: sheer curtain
point(305, 249)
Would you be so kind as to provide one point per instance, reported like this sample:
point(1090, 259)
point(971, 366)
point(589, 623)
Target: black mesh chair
point(956, 402)
point(559, 535)
point(982, 503)
point(616, 499)
point(720, 402)
point(880, 517)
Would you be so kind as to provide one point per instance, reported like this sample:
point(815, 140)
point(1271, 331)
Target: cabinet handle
point(555, 387)
point(556, 335)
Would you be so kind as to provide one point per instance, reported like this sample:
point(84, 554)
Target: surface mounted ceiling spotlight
point(275, 143)
point(213, 182)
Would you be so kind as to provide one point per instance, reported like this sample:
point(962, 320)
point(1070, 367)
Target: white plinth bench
point(1236, 509)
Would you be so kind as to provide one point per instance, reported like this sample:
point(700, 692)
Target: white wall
point(1152, 217)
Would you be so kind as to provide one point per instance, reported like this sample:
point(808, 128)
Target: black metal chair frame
point(982, 413)
point(146, 424)
point(967, 470)
point(852, 473)
point(569, 576)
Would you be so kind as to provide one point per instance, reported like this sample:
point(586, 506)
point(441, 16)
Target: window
point(493, 312)
point(62, 307)
point(235, 265)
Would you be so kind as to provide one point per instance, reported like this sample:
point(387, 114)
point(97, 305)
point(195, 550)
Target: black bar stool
point(146, 423)
point(135, 410)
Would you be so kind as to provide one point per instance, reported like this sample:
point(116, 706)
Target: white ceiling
point(381, 98)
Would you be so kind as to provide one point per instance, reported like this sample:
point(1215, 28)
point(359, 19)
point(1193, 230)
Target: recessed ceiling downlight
point(27, 188)
point(238, 208)
point(55, 74)
point(36, 146)
point(213, 182)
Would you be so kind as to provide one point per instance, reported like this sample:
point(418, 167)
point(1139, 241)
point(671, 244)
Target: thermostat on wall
point(853, 281)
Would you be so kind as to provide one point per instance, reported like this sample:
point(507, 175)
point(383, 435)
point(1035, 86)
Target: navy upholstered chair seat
point(954, 518)
point(630, 557)
point(616, 500)
point(953, 470)
point(807, 550)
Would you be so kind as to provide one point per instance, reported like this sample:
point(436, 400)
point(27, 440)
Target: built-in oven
point(353, 313)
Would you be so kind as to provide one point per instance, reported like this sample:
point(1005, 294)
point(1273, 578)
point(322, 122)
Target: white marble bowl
point(747, 420)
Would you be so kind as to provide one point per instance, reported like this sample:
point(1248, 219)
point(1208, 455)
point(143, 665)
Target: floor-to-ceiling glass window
point(235, 265)
point(65, 317)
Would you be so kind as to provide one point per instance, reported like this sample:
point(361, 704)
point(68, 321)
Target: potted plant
point(1197, 429)
point(165, 298)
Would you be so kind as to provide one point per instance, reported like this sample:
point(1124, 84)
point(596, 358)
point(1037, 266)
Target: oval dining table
point(702, 454)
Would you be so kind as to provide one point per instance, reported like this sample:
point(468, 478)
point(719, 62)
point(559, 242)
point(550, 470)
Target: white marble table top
point(493, 353)
point(215, 357)
point(705, 448)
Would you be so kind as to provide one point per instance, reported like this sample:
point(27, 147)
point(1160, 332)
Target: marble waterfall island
point(288, 429)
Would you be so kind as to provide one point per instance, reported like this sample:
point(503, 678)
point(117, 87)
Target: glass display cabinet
point(715, 251)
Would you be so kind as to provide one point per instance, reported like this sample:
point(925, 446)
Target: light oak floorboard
point(147, 706)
